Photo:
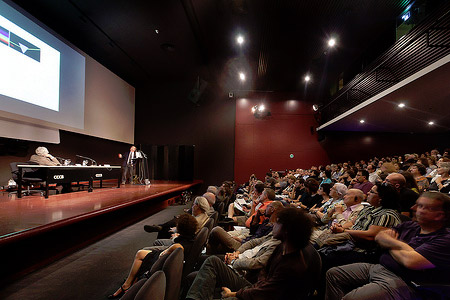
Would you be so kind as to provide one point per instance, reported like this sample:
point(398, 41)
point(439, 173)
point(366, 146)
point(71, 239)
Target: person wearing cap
point(44, 158)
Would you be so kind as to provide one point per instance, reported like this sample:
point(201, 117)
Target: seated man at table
point(416, 251)
point(44, 158)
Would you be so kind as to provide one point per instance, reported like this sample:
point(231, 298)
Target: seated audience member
point(144, 259)
point(337, 193)
point(266, 197)
point(252, 256)
point(211, 200)
point(199, 209)
point(441, 182)
point(257, 199)
point(310, 197)
point(387, 168)
point(280, 278)
point(415, 251)
point(326, 177)
point(212, 189)
point(432, 166)
point(324, 192)
point(221, 241)
point(373, 176)
point(334, 172)
point(347, 177)
point(225, 192)
point(297, 192)
point(407, 196)
point(361, 182)
point(410, 181)
point(290, 185)
point(356, 244)
point(343, 215)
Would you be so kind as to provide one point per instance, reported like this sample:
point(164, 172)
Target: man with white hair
point(44, 158)
point(211, 200)
point(212, 189)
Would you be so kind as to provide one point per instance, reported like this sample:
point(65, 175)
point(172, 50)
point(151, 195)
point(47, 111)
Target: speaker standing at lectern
point(129, 164)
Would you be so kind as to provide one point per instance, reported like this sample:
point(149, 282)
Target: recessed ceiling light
point(307, 78)
point(401, 105)
point(157, 31)
point(242, 76)
point(431, 123)
point(361, 121)
point(315, 107)
point(331, 42)
point(261, 107)
point(240, 39)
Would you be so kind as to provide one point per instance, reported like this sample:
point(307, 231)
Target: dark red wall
point(263, 144)
point(343, 146)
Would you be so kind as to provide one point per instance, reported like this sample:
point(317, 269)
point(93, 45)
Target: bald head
point(210, 197)
point(354, 196)
point(397, 180)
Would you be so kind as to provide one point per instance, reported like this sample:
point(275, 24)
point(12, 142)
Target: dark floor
point(93, 272)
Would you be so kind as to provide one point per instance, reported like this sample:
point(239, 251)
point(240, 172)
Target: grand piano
point(68, 174)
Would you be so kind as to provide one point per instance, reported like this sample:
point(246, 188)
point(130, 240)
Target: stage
point(51, 228)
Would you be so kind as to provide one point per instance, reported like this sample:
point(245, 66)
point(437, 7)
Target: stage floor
point(18, 216)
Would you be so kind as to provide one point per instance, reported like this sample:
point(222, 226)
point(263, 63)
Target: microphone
point(88, 158)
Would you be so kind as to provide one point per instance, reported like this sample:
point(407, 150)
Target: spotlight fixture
point(401, 105)
point(362, 121)
point(260, 111)
point(240, 39)
point(431, 123)
point(242, 76)
point(332, 42)
point(315, 107)
point(156, 31)
point(307, 78)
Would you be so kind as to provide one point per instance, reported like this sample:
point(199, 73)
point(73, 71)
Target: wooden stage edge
point(52, 241)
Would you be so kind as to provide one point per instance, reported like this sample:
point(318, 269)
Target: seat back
point(314, 262)
point(173, 269)
point(154, 288)
point(215, 217)
point(209, 224)
point(196, 250)
point(220, 208)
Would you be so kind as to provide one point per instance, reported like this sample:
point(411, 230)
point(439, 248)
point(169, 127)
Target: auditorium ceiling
point(155, 41)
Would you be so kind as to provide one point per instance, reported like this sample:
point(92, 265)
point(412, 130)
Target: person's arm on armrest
point(402, 252)
point(368, 235)
point(171, 249)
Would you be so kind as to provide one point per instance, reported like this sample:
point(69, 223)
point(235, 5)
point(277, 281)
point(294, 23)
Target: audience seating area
point(379, 186)
point(344, 212)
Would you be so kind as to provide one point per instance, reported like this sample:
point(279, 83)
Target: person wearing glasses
point(414, 252)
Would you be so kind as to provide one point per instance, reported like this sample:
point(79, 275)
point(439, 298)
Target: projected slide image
point(30, 68)
point(20, 44)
